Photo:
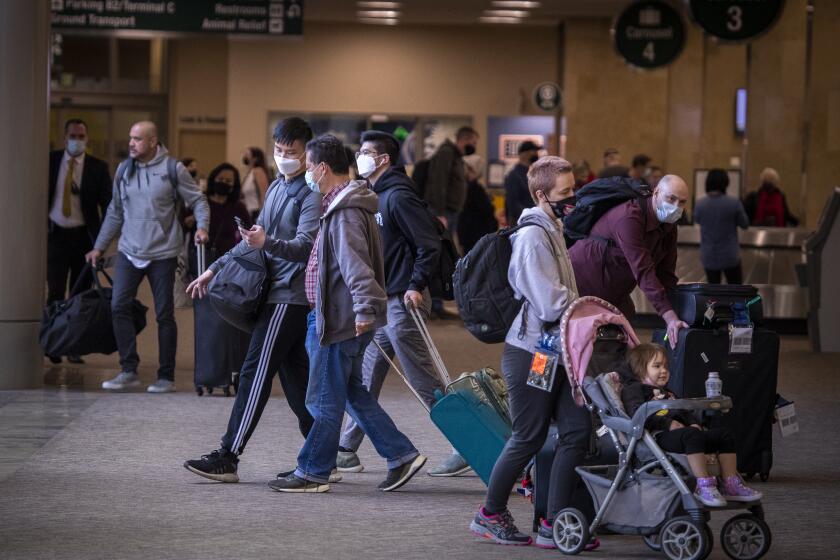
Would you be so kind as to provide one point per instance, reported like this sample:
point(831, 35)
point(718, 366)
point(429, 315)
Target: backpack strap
point(120, 175)
point(172, 171)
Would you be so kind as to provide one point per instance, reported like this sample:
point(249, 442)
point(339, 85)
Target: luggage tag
point(740, 339)
point(709, 315)
point(544, 364)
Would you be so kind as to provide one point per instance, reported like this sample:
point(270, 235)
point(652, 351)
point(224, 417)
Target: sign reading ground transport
point(736, 20)
point(243, 17)
point(649, 34)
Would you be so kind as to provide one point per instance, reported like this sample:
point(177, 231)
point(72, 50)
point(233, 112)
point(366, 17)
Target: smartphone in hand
point(239, 222)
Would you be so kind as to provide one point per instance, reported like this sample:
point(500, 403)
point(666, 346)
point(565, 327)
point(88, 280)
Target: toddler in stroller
point(644, 378)
point(647, 493)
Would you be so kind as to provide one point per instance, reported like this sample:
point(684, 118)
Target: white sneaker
point(123, 381)
point(335, 476)
point(161, 386)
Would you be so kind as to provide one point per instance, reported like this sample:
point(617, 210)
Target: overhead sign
point(736, 20)
point(547, 96)
point(649, 34)
point(243, 17)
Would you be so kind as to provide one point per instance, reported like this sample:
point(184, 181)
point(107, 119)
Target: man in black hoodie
point(411, 248)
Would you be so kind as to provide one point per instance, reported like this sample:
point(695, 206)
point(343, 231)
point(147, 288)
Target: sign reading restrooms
point(235, 17)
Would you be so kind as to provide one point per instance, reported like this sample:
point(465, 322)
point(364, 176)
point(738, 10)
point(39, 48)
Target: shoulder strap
point(172, 170)
point(120, 175)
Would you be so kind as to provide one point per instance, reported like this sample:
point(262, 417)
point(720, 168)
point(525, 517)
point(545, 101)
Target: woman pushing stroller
point(644, 378)
point(541, 275)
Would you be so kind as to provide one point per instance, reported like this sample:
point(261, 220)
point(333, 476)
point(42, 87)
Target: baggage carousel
point(772, 260)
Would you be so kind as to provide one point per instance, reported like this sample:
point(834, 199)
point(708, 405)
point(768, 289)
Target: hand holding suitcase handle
point(674, 324)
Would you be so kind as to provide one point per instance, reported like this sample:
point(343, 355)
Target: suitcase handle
point(201, 257)
point(402, 376)
point(443, 373)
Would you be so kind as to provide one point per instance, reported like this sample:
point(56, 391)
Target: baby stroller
point(648, 492)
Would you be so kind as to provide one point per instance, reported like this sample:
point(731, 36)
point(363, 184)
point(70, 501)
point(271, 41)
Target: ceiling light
point(507, 13)
point(380, 5)
point(516, 4)
point(378, 14)
point(491, 19)
point(380, 21)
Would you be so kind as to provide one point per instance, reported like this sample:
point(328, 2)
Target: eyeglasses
point(366, 153)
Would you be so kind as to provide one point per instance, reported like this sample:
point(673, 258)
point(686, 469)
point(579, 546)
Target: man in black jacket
point(411, 248)
point(79, 194)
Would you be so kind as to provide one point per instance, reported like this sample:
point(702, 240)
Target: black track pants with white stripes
point(278, 345)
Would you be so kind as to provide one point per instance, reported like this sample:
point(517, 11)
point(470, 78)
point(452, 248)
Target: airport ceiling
point(442, 12)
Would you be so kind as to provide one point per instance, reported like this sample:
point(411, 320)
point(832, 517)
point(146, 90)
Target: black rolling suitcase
point(220, 348)
point(711, 305)
point(749, 379)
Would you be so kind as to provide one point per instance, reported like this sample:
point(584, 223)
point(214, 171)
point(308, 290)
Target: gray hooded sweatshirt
point(540, 272)
point(351, 273)
point(144, 213)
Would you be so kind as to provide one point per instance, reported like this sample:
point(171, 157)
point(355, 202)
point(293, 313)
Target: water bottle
point(714, 386)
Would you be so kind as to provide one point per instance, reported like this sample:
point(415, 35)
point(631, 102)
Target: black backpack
point(441, 283)
point(485, 298)
point(420, 174)
point(595, 199)
point(240, 289)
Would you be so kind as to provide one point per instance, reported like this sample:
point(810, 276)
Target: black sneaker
point(402, 474)
point(335, 476)
point(498, 527)
point(292, 483)
point(220, 465)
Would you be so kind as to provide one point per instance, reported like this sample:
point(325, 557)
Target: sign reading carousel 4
point(649, 34)
point(736, 20)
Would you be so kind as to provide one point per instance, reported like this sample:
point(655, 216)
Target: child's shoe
point(734, 490)
point(707, 492)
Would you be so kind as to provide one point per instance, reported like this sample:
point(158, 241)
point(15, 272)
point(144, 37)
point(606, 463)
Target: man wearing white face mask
point(79, 194)
point(635, 243)
point(286, 229)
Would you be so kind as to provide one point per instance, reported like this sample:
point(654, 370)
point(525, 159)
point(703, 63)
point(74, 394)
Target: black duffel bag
point(712, 305)
point(239, 289)
point(82, 324)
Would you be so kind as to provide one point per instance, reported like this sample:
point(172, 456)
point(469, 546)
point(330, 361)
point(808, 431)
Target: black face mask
point(533, 159)
point(194, 174)
point(246, 160)
point(222, 188)
point(469, 150)
point(563, 207)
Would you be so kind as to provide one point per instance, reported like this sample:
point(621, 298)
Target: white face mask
point(286, 166)
point(366, 164)
point(76, 147)
point(668, 213)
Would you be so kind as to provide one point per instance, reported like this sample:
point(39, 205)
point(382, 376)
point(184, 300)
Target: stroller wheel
point(683, 538)
point(652, 542)
point(571, 531)
point(745, 537)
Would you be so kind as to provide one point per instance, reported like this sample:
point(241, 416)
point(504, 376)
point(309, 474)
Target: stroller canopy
point(578, 332)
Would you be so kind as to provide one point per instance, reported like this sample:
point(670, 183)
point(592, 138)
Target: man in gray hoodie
point(143, 211)
point(344, 284)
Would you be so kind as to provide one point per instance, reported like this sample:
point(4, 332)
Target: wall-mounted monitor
point(740, 111)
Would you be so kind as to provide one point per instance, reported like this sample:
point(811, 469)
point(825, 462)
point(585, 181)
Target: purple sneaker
point(707, 492)
point(734, 490)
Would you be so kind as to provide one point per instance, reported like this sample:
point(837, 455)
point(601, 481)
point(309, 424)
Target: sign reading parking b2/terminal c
point(649, 34)
point(235, 17)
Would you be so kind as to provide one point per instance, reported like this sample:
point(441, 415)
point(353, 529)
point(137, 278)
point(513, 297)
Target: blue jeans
point(336, 384)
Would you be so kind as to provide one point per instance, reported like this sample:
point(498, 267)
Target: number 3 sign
point(736, 20)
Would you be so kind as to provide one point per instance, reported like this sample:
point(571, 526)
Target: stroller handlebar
point(637, 423)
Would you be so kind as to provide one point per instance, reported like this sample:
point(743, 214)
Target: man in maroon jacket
point(633, 244)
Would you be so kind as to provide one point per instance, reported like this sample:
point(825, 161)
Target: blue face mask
point(668, 213)
point(309, 177)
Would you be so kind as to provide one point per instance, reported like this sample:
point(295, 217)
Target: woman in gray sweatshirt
point(540, 274)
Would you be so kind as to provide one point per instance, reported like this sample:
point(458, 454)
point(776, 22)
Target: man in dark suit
point(79, 194)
